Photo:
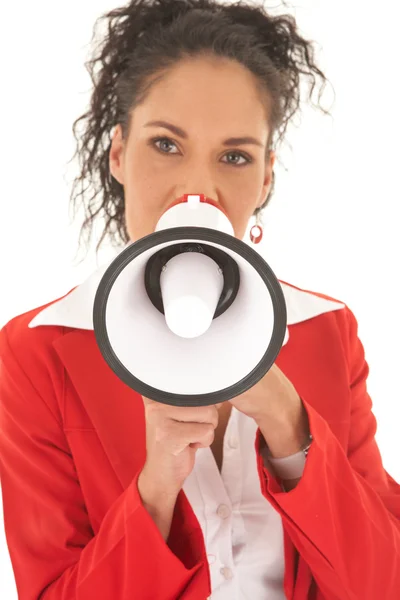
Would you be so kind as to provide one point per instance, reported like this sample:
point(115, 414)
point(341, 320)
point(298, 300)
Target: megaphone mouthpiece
point(195, 210)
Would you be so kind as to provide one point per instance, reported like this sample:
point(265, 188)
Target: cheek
point(142, 191)
point(142, 207)
point(240, 211)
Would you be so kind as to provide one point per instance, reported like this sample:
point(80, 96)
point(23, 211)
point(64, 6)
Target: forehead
point(202, 91)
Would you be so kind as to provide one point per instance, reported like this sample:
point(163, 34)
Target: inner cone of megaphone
point(191, 285)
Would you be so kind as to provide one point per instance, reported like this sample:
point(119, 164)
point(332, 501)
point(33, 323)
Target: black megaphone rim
point(199, 234)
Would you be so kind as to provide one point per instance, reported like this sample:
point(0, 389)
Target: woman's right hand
point(173, 435)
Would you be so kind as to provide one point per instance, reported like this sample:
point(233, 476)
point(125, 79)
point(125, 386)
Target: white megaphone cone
point(189, 315)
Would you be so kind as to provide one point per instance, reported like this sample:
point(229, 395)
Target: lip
point(203, 198)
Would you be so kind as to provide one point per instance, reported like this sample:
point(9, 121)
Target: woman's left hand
point(276, 406)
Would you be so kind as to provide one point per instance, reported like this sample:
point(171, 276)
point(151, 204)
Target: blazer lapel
point(116, 411)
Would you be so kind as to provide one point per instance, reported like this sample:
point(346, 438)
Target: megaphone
point(190, 315)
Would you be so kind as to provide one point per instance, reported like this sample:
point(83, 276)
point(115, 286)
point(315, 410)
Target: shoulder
point(291, 286)
point(31, 371)
point(304, 304)
point(29, 348)
point(17, 329)
point(328, 316)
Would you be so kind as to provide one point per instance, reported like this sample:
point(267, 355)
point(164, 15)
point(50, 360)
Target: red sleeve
point(54, 553)
point(344, 514)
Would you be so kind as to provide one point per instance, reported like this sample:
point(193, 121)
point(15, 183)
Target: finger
point(148, 402)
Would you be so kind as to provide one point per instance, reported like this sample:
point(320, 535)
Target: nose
point(199, 181)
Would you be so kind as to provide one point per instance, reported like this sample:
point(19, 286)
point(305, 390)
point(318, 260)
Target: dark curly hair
point(144, 40)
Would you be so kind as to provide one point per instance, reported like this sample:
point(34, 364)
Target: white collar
point(76, 308)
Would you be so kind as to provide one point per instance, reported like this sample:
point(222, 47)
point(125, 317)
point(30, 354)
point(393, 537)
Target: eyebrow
point(233, 141)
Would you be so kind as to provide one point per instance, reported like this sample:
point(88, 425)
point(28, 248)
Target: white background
point(332, 226)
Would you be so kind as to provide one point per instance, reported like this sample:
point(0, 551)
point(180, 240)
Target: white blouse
point(243, 533)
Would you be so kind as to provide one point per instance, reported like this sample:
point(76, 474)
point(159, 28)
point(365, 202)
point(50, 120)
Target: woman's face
point(210, 101)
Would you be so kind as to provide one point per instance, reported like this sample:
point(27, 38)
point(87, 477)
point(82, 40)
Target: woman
point(278, 493)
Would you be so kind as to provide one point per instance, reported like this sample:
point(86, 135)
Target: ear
point(116, 156)
point(269, 169)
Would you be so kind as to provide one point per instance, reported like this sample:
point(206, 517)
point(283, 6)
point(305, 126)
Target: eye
point(168, 141)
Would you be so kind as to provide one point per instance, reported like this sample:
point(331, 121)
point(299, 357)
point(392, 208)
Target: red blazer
point(72, 444)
